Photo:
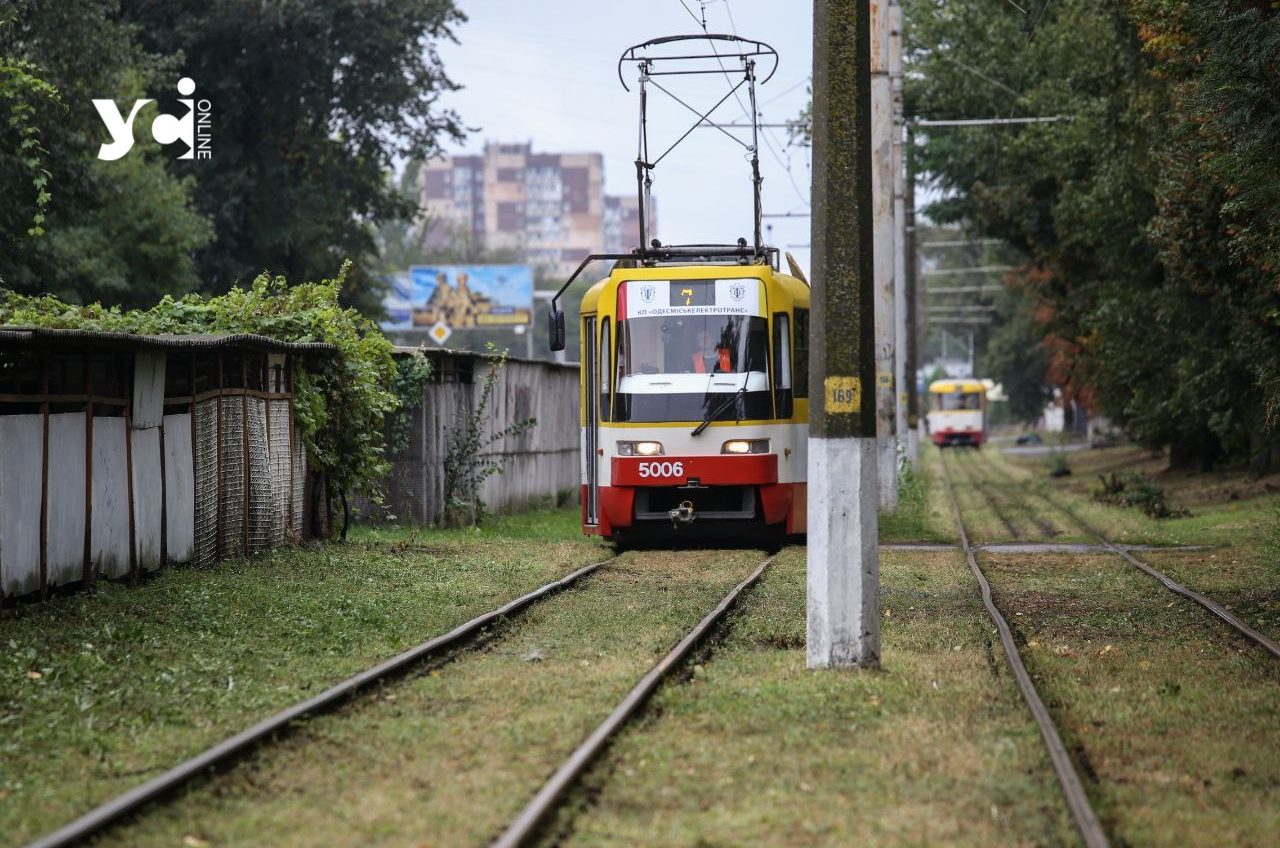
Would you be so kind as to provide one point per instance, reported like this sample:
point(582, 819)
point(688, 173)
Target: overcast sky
point(544, 71)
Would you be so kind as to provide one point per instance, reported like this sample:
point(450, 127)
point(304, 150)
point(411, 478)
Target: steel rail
point(987, 484)
point(117, 808)
point(1082, 813)
point(1222, 613)
point(1269, 645)
point(526, 825)
point(1014, 533)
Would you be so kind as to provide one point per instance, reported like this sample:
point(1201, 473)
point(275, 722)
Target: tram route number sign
point(842, 394)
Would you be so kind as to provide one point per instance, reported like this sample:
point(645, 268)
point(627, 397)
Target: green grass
point(1226, 508)
point(447, 758)
point(753, 749)
point(100, 691)
point(1174, 720)
point(923, 513)
point(998, 504)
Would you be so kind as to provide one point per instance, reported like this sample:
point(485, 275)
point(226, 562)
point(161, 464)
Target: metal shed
point(122, 453)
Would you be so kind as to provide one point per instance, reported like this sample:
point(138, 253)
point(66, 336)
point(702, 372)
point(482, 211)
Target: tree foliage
point(1147, 214)
point(1017, 359)
point(123, 231)
point(313, 101)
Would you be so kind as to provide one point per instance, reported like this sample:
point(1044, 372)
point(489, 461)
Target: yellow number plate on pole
point(843, 394)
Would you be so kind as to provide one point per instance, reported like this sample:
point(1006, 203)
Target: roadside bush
point(1133, 489)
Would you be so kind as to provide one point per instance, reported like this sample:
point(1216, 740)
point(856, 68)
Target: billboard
point(441, 299)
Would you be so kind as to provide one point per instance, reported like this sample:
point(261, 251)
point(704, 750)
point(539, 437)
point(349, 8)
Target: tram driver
point(711, 358)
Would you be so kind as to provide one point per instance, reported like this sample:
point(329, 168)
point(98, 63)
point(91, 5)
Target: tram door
point(590, 375)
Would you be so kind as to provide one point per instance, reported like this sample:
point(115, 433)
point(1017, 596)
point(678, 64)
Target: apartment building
point(550, 208)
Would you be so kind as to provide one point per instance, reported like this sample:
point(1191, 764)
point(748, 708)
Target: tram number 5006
point(661, 469)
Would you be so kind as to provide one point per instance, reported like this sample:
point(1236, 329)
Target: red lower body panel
point(953, 437)
point(780, 504)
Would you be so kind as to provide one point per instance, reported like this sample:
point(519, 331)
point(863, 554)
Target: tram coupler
point(682, 514)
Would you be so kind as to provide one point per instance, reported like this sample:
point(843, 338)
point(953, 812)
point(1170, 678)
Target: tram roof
point(948, 386)
point(700, 271)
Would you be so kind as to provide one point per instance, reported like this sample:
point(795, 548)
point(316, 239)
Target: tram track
point(526, 826)
point(987, 496)
point(1216, 609)
point(985, 488)
point(1073, 792)
point(230, 750)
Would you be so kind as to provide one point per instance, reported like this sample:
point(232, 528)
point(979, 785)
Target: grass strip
point(448, 757)
point(754, 749)
point(101, 691)
point(1174, 717)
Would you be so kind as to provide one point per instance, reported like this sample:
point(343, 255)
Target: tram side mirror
point(555, 329)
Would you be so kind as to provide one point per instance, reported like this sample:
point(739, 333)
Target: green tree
point(312, 102)
point(1016, 357)
point(123, 231)
point(1148, 211)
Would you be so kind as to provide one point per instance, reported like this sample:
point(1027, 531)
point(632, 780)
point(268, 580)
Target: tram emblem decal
point(737, 291)
point(648, 293)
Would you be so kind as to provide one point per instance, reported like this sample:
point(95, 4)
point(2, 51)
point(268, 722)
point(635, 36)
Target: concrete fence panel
point(21, 475)
point(65, 521)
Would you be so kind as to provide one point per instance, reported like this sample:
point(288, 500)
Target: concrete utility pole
point(913, 327)
point(843, 562)
point(882, 212)
point(900, 382)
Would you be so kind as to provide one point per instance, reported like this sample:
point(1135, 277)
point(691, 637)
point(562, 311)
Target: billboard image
point(459, 297)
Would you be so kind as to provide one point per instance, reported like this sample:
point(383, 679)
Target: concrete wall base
point(843, 559)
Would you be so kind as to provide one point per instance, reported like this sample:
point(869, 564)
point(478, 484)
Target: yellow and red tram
point(694, 380)
point(694, 395)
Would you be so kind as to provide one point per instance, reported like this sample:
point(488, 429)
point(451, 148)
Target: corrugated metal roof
point(193, 341)
point(405, 350)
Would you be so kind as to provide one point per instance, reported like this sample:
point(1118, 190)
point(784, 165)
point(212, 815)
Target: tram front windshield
point(956, 401)
point(682, 368)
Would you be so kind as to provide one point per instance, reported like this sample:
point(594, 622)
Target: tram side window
point(606, 408)
point(782, 363)
point(801, 363)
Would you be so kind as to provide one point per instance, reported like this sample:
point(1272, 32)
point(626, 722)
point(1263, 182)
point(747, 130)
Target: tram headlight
point(640, 449)
point(741, 446)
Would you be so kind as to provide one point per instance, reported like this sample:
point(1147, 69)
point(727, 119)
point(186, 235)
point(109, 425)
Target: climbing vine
point(20, 89)
point(466, 465)
point(412, 373)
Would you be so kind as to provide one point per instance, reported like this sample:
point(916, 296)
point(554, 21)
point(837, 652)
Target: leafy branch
point(20, 88)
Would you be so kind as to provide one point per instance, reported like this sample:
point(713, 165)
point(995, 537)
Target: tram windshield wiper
point(706, 422)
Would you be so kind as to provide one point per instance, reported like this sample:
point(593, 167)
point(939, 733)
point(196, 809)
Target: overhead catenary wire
point(692, 15)
point(783, 94)
point(751, 117)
